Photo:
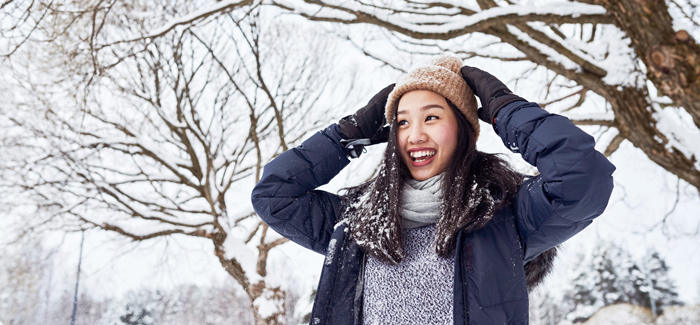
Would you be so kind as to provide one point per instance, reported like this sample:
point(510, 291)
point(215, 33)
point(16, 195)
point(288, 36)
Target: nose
point(417, 135)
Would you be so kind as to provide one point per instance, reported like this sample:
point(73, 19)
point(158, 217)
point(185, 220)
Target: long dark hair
point(478, 184)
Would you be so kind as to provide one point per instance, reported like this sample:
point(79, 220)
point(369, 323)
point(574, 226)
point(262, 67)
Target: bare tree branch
point(613, 145)
point(608, 123)
point(221, 8)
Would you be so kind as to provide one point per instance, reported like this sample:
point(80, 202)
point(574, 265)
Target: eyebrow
point(429, 106)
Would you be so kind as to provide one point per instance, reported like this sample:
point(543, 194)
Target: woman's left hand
point(492, 93)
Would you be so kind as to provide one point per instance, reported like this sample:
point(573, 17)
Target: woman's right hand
point(366, 126)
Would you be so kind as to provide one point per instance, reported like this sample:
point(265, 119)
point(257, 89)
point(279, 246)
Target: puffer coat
point(573, 187)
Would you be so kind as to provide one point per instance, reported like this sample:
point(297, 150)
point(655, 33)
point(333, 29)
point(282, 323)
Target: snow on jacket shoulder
point(286, 197)
point(575, 180)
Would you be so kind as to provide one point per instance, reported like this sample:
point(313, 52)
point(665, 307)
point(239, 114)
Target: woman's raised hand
point(366, 126)
point(492, 93)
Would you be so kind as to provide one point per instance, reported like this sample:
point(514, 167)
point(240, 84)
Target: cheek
point(448, 139)
point(400, 140)
point(401, 146)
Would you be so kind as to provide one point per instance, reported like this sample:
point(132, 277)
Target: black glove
point(493, 94)
point(366, 126)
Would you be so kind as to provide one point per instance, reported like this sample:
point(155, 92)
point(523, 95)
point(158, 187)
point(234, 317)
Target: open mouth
point(424, 155)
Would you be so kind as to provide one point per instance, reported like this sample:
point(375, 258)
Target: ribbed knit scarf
point(420, 202)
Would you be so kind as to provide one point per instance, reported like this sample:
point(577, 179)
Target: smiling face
point(427, 133)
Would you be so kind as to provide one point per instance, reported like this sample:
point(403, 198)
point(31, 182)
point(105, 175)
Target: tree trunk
point(273, 295)
point(632, 106)
point(672, 58)
point(636, 123)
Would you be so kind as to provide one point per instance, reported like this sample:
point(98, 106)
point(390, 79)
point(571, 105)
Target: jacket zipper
point(357, 308)
point(464, 277)
point(341, 255)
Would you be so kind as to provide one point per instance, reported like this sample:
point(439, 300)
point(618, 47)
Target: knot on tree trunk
point(683, 36)
point(660, 57)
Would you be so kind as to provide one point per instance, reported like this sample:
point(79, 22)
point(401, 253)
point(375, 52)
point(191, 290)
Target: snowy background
point(177, 279)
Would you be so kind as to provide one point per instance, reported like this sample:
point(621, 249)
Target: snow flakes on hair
point(375, 225)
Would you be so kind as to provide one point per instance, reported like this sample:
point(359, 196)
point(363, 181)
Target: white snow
point(446, 20)
point(677, 125)
point(680, 315)
point(192, 17)
point(268, 305)
point(626, 314)
point(643, 192)
point(342, 222)
point(623, 314)
point(245, 254)
point(552, 54)
point(331, 252)
point(305, 8)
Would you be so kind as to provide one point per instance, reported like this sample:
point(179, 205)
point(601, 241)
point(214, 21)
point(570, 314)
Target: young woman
point(444, 234)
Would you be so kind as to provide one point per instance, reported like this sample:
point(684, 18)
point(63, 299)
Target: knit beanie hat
point(442, 75)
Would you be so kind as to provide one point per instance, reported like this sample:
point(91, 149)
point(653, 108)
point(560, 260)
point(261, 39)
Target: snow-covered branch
point(191, 18)
point(421, 25)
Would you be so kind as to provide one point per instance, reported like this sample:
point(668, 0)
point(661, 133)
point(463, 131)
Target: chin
point(422, 176)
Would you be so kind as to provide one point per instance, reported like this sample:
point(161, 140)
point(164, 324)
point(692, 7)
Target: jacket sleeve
point(575, 180)
point(286, 197)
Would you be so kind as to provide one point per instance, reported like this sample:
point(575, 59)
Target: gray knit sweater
point(419, 290)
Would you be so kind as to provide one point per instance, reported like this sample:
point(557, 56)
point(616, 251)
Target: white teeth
point(418, 154)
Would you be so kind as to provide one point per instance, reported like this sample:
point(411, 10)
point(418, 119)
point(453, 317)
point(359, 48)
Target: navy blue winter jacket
point(573, 188)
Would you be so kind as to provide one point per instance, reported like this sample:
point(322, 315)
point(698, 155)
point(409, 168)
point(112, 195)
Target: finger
point(382, 136)
point(470, 70)
point(382, 95)
point(484, 115)
point(469, 74)
point(388, 89)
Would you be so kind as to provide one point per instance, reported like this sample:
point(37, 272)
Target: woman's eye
point(400, 122)
point(431, 116)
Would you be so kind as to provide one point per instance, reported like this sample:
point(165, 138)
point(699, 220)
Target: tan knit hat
point(442, 76)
